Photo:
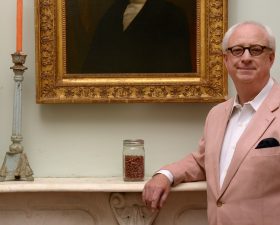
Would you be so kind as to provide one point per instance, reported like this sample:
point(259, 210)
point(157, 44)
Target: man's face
point(248, 69)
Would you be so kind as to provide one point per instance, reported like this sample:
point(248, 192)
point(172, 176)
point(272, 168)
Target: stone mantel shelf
point(110, 184)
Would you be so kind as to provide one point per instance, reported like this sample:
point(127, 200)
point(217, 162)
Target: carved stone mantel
point(96, 201)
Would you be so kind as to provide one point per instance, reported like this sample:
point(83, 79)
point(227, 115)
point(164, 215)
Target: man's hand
point(156, 191)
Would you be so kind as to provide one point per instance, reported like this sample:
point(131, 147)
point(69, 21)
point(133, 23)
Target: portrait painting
point(92, 51)
point(120, 36)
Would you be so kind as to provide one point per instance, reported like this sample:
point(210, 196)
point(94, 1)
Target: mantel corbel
point(131, 211)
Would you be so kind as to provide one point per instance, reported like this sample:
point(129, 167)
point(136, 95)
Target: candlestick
point(19, 26)
point(16, 165)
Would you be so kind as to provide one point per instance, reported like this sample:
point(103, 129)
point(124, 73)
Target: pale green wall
point(86, 140)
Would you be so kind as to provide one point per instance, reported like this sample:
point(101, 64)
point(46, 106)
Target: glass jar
point(133, 160)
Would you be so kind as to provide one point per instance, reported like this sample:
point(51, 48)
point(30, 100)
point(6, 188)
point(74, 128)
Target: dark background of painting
point(82, 18)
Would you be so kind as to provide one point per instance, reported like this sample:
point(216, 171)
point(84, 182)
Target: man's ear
point(271, 58)
point(225, 57)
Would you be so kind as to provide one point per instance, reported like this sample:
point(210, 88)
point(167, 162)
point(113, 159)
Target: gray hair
point(271, 37)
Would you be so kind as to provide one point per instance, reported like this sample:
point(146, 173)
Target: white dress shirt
point(239, 120)
point(131, 11)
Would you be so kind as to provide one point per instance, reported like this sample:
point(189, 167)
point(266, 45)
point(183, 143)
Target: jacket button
point(219, 203)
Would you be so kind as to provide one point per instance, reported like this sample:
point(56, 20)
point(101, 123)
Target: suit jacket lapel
point(261, 120)
point(225, 115)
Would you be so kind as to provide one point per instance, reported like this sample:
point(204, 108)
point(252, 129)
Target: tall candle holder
point(16, 165)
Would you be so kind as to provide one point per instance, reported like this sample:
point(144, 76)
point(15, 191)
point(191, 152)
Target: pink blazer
point(250, 194)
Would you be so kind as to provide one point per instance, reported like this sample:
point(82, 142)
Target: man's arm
point(188, 169)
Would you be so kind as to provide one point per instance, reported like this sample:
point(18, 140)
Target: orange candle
point(19, 26)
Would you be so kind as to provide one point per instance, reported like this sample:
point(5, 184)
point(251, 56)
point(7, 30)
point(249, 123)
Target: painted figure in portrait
point(130, 36)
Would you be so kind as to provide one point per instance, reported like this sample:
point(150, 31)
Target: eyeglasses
point(254, 50)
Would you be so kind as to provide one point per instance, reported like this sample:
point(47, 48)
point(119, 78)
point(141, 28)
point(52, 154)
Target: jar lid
point(133, 142)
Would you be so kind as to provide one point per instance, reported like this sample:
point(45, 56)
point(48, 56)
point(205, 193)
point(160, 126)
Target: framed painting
point(96, 51)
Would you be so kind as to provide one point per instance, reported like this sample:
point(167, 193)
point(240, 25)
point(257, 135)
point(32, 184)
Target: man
point(239, 153)
point(140, 36)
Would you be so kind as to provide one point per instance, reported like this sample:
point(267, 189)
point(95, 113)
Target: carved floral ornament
point(54, 85)
point(129, 211)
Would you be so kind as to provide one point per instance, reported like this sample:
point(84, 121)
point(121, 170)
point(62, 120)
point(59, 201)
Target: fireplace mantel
point(96, 201)
point(110, 184)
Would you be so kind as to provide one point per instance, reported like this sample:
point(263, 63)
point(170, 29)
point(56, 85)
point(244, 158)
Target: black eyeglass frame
point(249, 49)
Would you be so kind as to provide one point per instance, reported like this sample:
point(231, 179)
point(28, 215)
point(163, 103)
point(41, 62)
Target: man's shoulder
point(223, 105)
point(276, 86)
point(273, 98)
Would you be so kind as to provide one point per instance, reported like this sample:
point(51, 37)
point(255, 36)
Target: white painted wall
point(86, 140)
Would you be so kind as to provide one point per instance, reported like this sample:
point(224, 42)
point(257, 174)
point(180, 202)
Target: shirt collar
point(258, 100)
point(138, 1)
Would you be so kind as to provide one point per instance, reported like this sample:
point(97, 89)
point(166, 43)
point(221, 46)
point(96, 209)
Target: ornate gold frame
point(208, 84)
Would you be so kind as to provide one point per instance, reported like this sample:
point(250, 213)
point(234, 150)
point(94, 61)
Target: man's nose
point(246, 55)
